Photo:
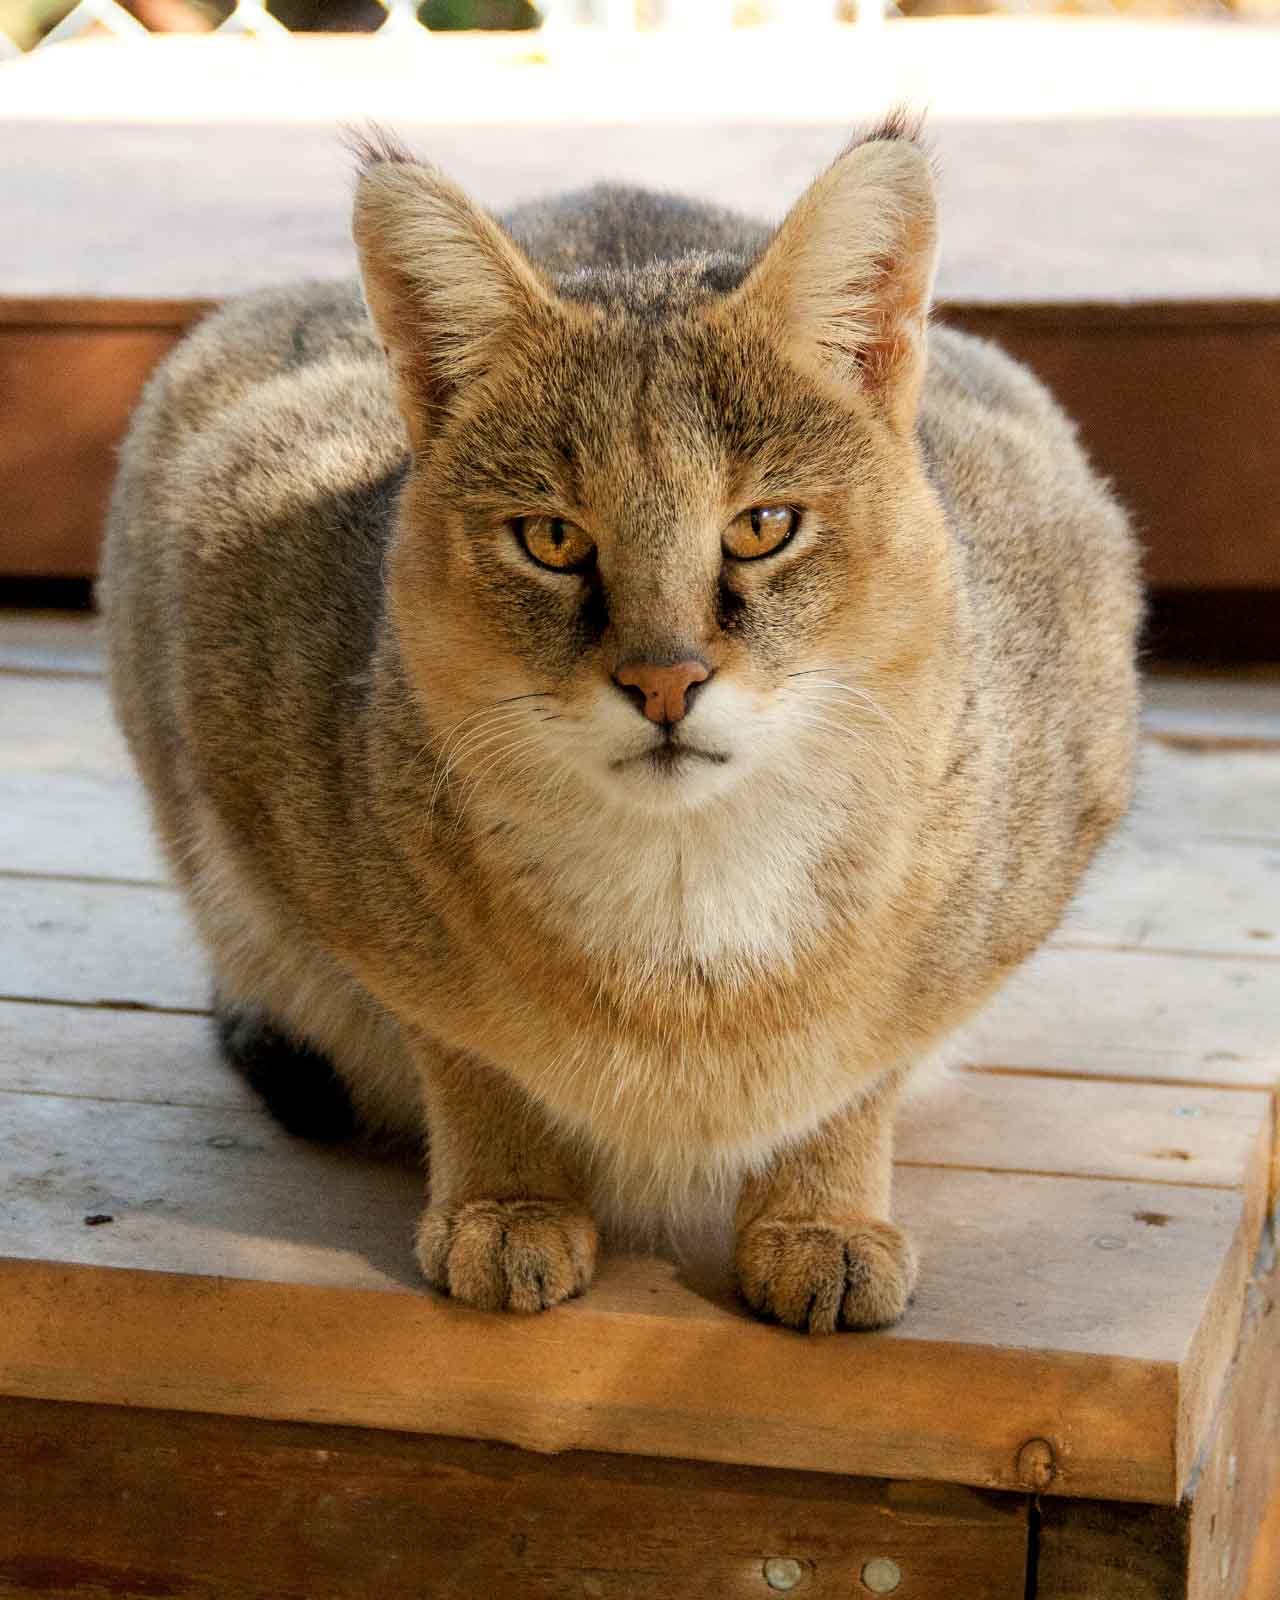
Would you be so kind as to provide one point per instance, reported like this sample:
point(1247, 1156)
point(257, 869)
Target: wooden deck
point(185, 1286)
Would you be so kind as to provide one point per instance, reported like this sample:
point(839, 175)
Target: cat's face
point(666, 529)
point(642, 497)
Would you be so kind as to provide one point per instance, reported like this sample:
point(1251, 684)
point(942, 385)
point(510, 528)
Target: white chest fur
point(729, 886)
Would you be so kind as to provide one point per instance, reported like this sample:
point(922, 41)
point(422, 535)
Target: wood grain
point(1088, 1128)
point(70, 801)
point(1049, 1309)
point(1209, 793)
point(1218, 1542)
point(1153, 891)
point(99, 944)
point(272, 1511)
point(1195, 1020)
point(1239, 1469)
point(972, 1120)
point(142, 1057)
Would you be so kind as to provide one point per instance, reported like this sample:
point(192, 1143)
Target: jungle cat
point(617, 690)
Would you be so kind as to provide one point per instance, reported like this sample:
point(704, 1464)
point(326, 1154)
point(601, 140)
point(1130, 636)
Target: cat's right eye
point(554, 543)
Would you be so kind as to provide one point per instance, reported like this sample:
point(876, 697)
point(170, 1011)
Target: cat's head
point(667, 526)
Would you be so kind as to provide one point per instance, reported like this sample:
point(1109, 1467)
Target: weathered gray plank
point(1162, 1018)
point(96, 942)
point(49, 641)
point(1175, 892)
point(1241, 706)
point(70, 802)
point(1208, 793)
point(151, 1056)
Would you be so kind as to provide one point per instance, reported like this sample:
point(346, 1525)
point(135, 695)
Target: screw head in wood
point(881, 1575)
point(781, 1572)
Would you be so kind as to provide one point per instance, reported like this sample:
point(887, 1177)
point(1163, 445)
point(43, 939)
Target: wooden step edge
point(683, 1380)
point(1204, 1368)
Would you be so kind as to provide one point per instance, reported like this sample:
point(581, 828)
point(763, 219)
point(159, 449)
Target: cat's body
point(616, 1002)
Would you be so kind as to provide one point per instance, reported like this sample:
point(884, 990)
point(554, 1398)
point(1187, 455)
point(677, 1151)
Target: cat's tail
point(297, 1082)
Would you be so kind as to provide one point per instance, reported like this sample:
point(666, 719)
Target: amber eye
point(760, 531)
point(553, 542)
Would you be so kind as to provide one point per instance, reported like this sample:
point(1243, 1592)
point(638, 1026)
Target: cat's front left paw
point(857, 1272)
point(508, 1255)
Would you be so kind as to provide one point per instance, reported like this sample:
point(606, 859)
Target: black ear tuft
point(900, 124)
point(373, 144)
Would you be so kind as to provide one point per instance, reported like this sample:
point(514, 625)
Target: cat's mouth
point(670, 758)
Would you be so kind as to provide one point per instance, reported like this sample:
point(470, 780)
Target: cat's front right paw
point(508, 1255)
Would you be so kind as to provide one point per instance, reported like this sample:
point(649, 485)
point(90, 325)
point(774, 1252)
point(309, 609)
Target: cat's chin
point(670, 778)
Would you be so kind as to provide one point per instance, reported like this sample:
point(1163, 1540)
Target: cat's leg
point(507, 1228)
point(815, 1247)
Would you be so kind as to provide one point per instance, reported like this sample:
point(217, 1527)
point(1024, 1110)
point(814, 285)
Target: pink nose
point(662, 693)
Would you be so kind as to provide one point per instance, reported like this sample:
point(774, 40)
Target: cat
point(618, 689)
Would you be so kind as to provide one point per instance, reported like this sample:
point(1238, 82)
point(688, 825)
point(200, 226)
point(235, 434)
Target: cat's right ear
point(442, 281)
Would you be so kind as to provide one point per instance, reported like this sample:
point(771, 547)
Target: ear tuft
point(896, 126)
point(373, 144)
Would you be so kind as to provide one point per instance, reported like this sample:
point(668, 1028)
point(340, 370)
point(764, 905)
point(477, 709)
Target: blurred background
point(27, 21)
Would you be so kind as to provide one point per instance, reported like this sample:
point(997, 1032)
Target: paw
point(822, 1276)
point(508, 1255)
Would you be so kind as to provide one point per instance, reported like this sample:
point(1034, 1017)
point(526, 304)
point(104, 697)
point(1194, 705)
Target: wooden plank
point(976, 1120)
point(277, 1510)
point(1263, 1579)
point(1088, 1129)
point(113, 1151)
point(1240, 1468)
point(1202, 792)
point(220, 1191)
point(99, 943)
point(70, 802)
point(1242, 707)
point(145, 1056)
point(50, 641)
point(1095, 1551)
point(1215, 1545)
point(1194, 1020)
point(1051, 1312)
point(1151, 890)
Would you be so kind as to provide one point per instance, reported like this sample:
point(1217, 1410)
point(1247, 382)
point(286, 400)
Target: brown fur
point(421, 829)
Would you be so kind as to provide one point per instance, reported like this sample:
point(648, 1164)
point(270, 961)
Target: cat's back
point(615, 227)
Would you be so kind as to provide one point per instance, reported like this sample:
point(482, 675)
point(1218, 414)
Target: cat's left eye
point(553, 542)
point(760, 531)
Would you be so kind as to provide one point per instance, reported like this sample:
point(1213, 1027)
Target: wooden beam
point(1220, 1542)
point(104, 1500)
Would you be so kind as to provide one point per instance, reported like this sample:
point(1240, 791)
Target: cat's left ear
point(444, 284)
point(847, 280)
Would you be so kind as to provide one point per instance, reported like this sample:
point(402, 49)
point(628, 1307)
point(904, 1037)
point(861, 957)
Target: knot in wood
point(1037, 1466)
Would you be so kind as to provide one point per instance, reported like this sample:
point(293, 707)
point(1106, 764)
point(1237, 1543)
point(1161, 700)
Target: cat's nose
point(663, 693)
